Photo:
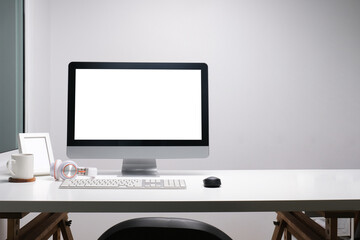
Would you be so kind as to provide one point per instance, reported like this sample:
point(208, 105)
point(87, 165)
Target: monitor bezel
point(73, 66)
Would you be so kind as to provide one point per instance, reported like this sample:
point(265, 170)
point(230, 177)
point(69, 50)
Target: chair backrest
point(160, 228)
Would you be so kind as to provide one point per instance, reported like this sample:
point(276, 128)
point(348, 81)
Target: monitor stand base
point(139, 167)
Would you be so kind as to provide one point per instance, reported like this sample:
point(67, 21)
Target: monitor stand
point(139, 167)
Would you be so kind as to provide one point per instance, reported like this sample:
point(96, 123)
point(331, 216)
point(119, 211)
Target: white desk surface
point(241, 191)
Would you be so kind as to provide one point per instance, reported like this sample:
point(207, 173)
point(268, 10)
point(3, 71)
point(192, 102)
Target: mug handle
point(9, 168)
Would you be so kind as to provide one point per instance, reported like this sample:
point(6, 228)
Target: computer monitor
point(138, 112)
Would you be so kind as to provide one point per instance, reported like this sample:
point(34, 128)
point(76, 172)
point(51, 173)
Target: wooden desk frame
point(42, 226)
point(302, 227)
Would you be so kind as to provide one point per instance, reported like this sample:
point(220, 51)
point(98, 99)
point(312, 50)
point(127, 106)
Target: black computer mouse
point(212, 182)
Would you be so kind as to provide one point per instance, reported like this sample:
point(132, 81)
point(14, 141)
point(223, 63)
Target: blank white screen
point(138, 104)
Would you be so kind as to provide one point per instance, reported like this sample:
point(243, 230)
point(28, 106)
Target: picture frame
point(39, 145)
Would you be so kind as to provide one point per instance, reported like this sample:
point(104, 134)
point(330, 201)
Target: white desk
point(241, 191)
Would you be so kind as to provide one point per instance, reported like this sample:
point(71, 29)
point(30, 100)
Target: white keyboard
point(123, 183)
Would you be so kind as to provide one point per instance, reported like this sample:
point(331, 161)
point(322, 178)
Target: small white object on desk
point(39, 145)
point(21, 167)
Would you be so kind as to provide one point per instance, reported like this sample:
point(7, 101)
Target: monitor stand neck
point(139, 167)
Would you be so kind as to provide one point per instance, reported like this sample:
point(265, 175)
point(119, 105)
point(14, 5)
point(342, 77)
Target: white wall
point(283, 75)
point(37, 66)
point(284, 87)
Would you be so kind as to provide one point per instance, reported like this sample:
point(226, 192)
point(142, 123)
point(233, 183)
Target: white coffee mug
point(21, 166)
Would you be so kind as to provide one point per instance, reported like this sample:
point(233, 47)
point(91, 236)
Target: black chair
point(160, 228)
